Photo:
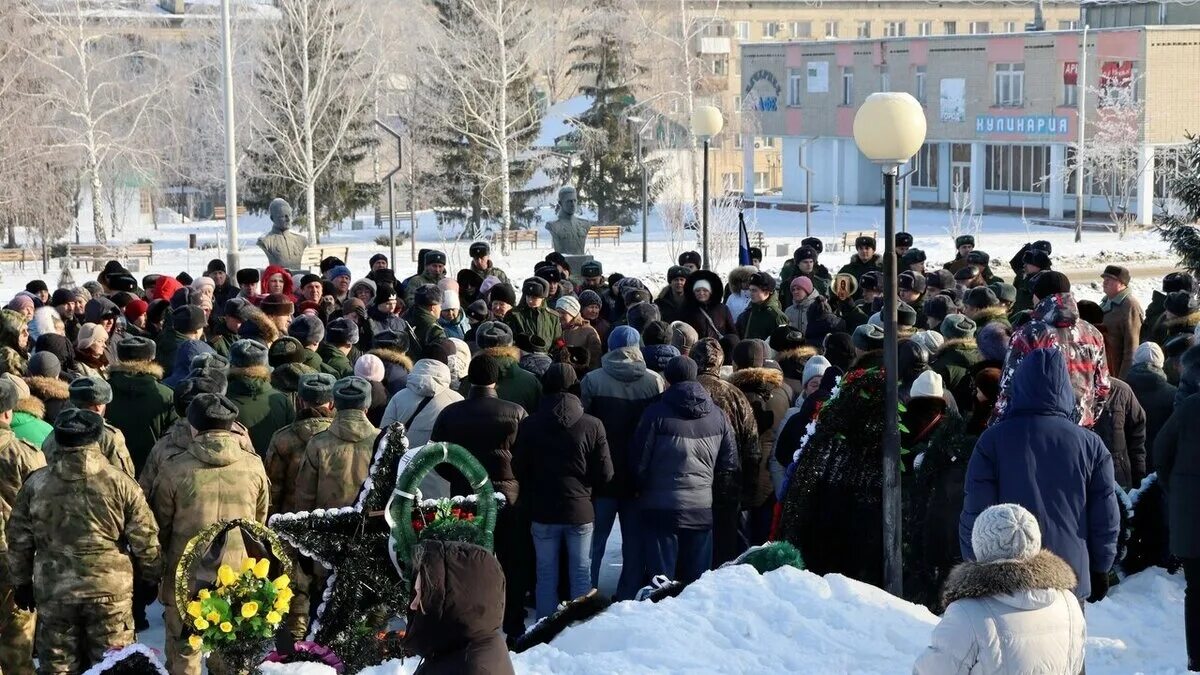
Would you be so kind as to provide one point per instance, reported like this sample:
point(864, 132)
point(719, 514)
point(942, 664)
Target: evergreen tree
point(608, 175)
point(1179, 231)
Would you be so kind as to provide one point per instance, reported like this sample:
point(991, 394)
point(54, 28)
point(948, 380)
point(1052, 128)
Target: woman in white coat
point(1013, 611)
point(426, 392)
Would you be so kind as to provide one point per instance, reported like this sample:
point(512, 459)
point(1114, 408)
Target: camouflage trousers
point(73, 637)
point(16, 636)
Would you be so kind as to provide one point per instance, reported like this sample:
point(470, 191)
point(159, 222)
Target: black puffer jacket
point(768, 397)
point(486, 426)
point(1122, 427)
point(711, 319)
point(461, 596)
point(617, 394)
point(560, 456)
point(1157, 397)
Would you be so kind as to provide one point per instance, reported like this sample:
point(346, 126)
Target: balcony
point(713, 45)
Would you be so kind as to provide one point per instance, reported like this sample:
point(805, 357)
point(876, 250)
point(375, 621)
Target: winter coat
point(186, 351)
point(396, 367)
point(18, 459)
point(13, 359)
point(1123, 318)
point(711, 319)
point(87, 365)
point(797, 313)
point(53, 392)
point(741, 418)
point(486, 426)
point(617, 394)
point(214, 481)
point(286, 453)
point(584, 336)
point(760, 320)
point(559, 456)
point(112, 448)
point(768, 399)
point(1168, 326)
point(792, 363)
point(658, 356)
point(429, 381)
point(955, 362)
point(515, 384)
point(27, 422)
point(535, 363)
point(379, 322)
point(425, 331)
point(262, 409)
point(142, 408)
point(823, 320)
point(672, 307)
point(1158, 305)
point(176, 442)
point(164, 353)
point(1177, 460)
point(461, 596)
point(990, 315)
point(336, 462)
point(74, 528)
point(530, 321)
point(1008, 616)
point(1037, 457)
point(1122, 427)
point(414, 282)
point(334, 362)
point(681, 454)
point(1156, 396)
point(379, 402)
point(1055, 324)
point(790, 271)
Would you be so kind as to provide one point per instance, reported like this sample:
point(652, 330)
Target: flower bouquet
point(237, 618)
point(446, 519)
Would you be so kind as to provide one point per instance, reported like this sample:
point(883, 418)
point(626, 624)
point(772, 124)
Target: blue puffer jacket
point(682, 451)
point(658, 356)
point(183, 360)
point(1039, 458)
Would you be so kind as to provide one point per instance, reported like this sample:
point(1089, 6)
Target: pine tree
point(608, 175)
point(1179, 231)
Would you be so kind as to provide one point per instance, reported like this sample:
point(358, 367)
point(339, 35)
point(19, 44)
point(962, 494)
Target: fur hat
point(187, 318)
point(1179, 303)
point(352, 393)
point(1175, 281)
point(370, 368)
point(980, 297)
point(911, 281)
point(535, 287)
point(864, 242)
point(785, 338)
point(479, 249)
point(656, 333)
point(868, 337)
point(45, 364)
point(391, 340)
point(1039, 259)
point(427, 295)
point(285, 350)
point(750, 354)
point(913, 256)
point(307, 329)
point(341, 331)
point(1050, 283)
point(643, 314)
point(871, 281)
point(1005, 532)
point(804, 253)
point(90, 391)
point(1004, 292)
point(692, 257)
point(903, 239)
point(503, 293)
point(247, 354)
point(477, 311)
point(277, 304)
point(964, 240)
point(938, 307)
point(930, 340)
point(493, 334)
point(967, 273)
point(90, 334)
point(247, 276)
point(136, 348)
point(191, 387)
point(814, 243)
point(957, 327)
point(905, 315)
point(209, 412)
point(316, 388)
point(939, 279)
point(76, 428)
point(763, 281)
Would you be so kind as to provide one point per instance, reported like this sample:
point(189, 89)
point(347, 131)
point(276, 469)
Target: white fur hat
point(927, 385)
point(1149, 353)
point(1005, 532)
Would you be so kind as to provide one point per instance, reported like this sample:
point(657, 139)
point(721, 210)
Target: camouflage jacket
point(5, 577)
point(112, 446)
point(18, 459)
point(214, 480)
point(336, 462)
point(286, 453)
point(69, 527)
point(176, 442)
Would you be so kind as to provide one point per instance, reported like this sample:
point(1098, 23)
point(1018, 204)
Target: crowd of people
point(135, 413)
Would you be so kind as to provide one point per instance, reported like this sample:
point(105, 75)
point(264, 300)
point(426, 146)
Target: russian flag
point(743, 240)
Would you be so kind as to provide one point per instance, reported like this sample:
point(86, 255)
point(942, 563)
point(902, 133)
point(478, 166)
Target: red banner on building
point(1071, 72)
point(1116, 73)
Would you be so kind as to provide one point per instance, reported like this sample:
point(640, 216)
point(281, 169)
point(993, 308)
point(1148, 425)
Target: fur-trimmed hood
point(393, 356)
point(996, 313)
point(793, 361)
point(267, 330)
point(740, 276)
point(138, 368)
point(262, 373)
point(1182, 324)
point(1008, 577)
point(758, 379)
point(31, 405)
point(958, 345)
point(507, 352)
point(48, 388)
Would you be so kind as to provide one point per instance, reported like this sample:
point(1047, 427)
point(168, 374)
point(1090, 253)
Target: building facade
point(1001, 112)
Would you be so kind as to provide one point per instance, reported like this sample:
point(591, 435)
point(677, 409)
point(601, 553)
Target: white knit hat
point(450, 300)
point(1149, 353)
point(369, 367)
point(1005, 532)
point(931, 340)
point(927, 385)
point(814, 367)
point(569, 305)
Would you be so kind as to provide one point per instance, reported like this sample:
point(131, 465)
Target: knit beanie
point(681, 369)
point(958, 327)
point(483, 371)
point(450, 300)
point(589, 297)
point(927, 385)
point(1050, 283)
point(45, 364)
point(569, 305)
point(558, 378)
point(352, 393)
point(502, 292)
point(623, 336)
point(804, 283)
point(987, 381)
point(993, 341)
point(1005, 532)
point(1147, 352)
point(814, 367)
point(136, 308)
point(370, 368)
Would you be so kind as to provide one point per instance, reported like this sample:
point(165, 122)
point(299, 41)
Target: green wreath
point(267, 542)
point(404, 537)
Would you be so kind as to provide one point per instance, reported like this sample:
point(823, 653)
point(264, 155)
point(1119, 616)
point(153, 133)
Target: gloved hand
point(23, 597)
point(1099, 586)
point(144, 593)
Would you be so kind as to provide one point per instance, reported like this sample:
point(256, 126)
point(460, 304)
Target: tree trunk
point(97, 195)
point(502, 132)
point(310, 209)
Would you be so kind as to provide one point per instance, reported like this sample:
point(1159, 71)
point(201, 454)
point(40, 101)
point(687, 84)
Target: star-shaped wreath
point(365, 590)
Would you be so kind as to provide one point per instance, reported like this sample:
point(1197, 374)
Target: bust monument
point(568, 233)
point(283, 247)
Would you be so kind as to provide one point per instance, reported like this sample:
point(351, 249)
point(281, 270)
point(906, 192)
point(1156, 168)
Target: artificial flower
point(274, 617)
point(195, 642)
point(285, 595)
point(213, 617)
point(248, 564)
point(226, 576)
point(226, 627)
point(193, 609)
point(205, 594)
point(262, 568)
point(249, 609)
point(201, 624)
point(281, 605)
point(281, 582)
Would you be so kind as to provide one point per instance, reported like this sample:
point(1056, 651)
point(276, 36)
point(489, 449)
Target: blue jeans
point(632, 573)
point(547, 542)
point(682, 555)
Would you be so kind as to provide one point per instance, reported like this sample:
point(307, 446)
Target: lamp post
point(231, 215)
point(889, 129)
point(638, 134)
point(706, 123)
point(391, 187)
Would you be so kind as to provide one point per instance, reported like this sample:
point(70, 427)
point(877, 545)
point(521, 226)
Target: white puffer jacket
point(428, 379)
point(1008, 618)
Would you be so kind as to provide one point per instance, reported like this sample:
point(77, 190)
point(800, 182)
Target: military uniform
point(336, 462)
point(111, 444)
point(489, 271)
point(16, 625)
point(176, 442)
point(262, 408)
point(12, 359)
point(286, 454)
point(68, 528)
point(414, 282)
point(538, 321)
point(142, 406)
point(334, 361)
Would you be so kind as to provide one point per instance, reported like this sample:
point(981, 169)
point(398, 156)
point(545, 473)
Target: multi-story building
point(1001, 112)
point(730, 25)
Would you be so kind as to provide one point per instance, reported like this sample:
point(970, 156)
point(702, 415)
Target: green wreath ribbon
point(197, 545)
point(404, 497)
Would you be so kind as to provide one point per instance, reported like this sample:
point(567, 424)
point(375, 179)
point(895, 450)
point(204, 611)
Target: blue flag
point(743, 241)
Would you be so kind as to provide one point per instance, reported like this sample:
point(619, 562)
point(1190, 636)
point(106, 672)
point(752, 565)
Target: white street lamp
point(706, 123)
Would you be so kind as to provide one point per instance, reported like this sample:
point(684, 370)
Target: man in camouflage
point(214, 481)
point(18, 460)
point(67, 533)
point(337, 460)
point(93, 393)
point(433, 270)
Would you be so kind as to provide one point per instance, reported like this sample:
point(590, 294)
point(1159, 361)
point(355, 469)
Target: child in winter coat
point(1012, 611)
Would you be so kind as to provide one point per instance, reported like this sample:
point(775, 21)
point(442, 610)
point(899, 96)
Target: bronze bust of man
point(283, 247)
point(568, 233)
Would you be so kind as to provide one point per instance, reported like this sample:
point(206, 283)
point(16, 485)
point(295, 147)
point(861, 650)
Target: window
point(1068, 25)
point(924, 28)
point(919, 80)
point(1070, 95)
point(1010, 84)
point(795, 84)
point(1010, 26)
point(732, 181)
point(716, 29)
point(764, 141)
point(978, 28)
point(770, 29)
point(720, 66)
point(1017, 168)
point(864, 29)
point(762, 181)
point(741, 30)
point(800, 29)
point(847, 85)
point(893, 29)
point(950, 28)
point(831, 29)
point(926, 164)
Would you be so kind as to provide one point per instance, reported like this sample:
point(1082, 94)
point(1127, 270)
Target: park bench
point(219, 212)
point(313, 255)
point(18, 256)
point(598, 232)
point(87, 253)
point(517, 236)
point(134, 251)
point(849, 237)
